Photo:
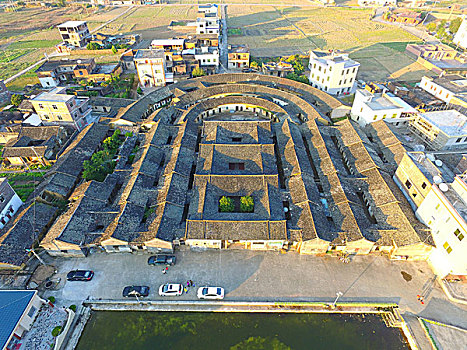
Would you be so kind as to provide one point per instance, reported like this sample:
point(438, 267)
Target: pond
point(237, 331)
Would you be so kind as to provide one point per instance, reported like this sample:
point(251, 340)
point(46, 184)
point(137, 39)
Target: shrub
point(16, 100)
point(198, 72)
point(226, 204)
point(247, 204)
point(51, 299)
point(73, 307)
point(139, 91)
point(56, 331)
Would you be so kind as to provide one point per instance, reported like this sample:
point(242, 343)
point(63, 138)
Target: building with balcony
point(334, 73)
point(451, 89)
point(375, 102)
point(75, 33)
point(280, 69)
point(56, 107)
point(239, 57)
point(150, 65)
point(207, 25)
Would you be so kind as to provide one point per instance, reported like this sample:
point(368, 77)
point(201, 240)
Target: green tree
point(247, 204)
point(299, 78)
point(114, 49)
point(56, 331)
point(431, 27)
point(198, 72)
point(441, 24)
point(61, 3)
point(226, 204)
point(139, 91)
point(296, 64)
point(16, 99)
point(455, 24)
point(260, 343)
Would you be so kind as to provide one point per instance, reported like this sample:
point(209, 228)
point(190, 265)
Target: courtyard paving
point(266, 276)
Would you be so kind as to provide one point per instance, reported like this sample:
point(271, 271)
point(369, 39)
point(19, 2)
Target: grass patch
point(11, 55)
point(399, 46)
point(18, 84)
point(234, 31)
point(33, 44)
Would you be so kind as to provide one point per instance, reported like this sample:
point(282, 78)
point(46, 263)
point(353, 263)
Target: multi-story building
point(239, 57)
point(56, 107)
point(375, 102)
point(441, 130)
point(207, 25)
point(460, 38)
point(74, 33)
point(9, 202)
point(150, 65)
point(333, 72)
point(451, 89)
point(438, 199)
point(207, 56)
point(410, 18)
point(432, 51)
point(280, 69)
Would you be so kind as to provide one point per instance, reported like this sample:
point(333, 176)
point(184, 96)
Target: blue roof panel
point(12, 306)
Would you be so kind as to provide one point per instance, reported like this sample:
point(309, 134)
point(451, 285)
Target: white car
point(170, 290)
point(211, 293)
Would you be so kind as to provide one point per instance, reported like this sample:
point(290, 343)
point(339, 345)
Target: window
point(459, 139)
point(41, 106)
point(458, 234)
point(437, 206)
point(447, 247)
point(384, 116)
point(46, 116)
point(59, 117)
point(80, 72)
point(408, 184)
point(374, 118)
point(236, 139)
point(353, 71)
point(31, 311)
point(345, 81)
point(319, 68)
point(394, 115)
point(328, 79)
point(236, 166)
point(361, 109)
point(423, 185)
point(2, 199)
point(340, 82)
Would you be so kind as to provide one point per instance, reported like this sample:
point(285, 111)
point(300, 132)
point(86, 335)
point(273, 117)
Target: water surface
point(236, 331)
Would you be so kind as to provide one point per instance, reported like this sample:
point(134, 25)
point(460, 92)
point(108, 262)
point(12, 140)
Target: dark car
point(135, 291)
point(249, 70)
point(80, 275)
point(162, 259)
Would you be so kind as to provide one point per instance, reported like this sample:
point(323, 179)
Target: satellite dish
point(437, 180)
point(79, 61)
point(438, 163)
point(431, 157)
point(443, 187)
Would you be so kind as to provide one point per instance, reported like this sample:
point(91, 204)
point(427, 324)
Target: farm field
point(280, 31)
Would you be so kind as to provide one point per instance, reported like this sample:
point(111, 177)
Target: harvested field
point(308, 28)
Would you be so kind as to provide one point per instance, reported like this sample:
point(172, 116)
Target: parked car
point(162, 259)
point(170, 289)
point(210, 293)
point(135, 291)
point(80, 275)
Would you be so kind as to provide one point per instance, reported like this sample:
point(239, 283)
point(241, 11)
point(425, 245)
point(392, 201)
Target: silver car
point(170, 290)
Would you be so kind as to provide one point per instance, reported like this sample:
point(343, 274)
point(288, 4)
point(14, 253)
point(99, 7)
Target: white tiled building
point(450, 88)
point(444, 210)
point(371, 106)
point(333, 72)
point(207, 56)
point(75, 33)
point(9, 202)
point(150, 65)
point(441, 130)
point(207, 25)
point(461, 36)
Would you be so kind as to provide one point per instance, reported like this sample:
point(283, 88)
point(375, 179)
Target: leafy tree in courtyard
point(299, 78)
point(226, 204)
point(198, 72)
point(296, 64)
point(431, 27)
point(247, 204)
point(139, 91)
point(16, 100)
point(455, 24)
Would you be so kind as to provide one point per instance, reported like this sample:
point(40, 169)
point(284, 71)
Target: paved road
point(224, 41)
point(268, 276)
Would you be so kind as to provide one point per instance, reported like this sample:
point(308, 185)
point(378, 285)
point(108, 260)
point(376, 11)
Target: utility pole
point(37, 256)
